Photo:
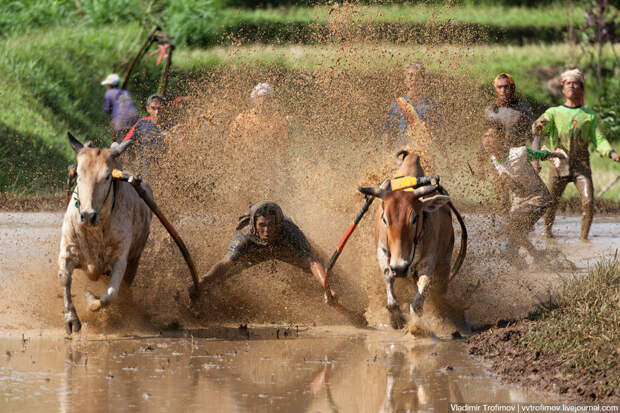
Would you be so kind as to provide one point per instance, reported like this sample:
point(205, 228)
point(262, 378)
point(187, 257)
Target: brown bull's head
point(94, 182)
point(402, 217)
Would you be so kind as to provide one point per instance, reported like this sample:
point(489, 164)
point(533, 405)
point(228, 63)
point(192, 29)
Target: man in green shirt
point(572, 128)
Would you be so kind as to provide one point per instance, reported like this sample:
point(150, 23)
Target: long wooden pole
point(147, 42)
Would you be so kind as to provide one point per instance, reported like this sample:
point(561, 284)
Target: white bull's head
point(401, 216)
point(94, 177)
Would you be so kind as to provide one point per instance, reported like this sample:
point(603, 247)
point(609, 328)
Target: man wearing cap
point(261, 124)
point(147, 132)
point(572, 128)
point(412, 116)
point(513, 117)
point(119, 104)
point(264, 233)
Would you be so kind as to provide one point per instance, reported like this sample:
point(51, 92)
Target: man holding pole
point(572, 128)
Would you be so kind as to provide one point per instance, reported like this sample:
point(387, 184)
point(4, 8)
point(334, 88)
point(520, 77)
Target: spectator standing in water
point(119, 104)
point(514, 117)
point(264, 233)
point(571, 128)
point(412, 116)
point(147, 134)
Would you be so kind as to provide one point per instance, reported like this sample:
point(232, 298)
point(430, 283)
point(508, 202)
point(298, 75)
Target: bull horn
point(75, 144)
point(117, 148)
point(372, 191)
point(425, 190)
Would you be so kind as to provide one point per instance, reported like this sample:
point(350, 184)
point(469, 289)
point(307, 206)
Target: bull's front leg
point(66, 266)
point(118, 272)
point(396, 317)
point(418, 301)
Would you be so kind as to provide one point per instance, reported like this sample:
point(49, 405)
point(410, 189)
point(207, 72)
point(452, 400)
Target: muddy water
point(126, 362)
point(322, 370)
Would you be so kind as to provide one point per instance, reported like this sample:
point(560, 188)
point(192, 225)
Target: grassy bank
point(570, 346)
point(46, 94)
point(202, 23)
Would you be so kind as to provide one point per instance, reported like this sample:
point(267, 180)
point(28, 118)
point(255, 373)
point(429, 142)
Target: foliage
point(191, 21)
point(599, 30)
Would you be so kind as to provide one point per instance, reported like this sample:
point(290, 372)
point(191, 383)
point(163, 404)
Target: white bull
point(105, 227)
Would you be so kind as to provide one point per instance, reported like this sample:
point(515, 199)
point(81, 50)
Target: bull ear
point(75, 144)
point(373, 191)
point(434, 202)
point(401, 155)
point(116, 149)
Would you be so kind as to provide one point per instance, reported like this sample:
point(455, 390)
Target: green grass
point(482, 62)
point(46, 94)
point(50, 92)
point(204, 23)
point(581, 331)
point(551, 16)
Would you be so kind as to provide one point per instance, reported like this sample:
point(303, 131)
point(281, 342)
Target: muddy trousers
point(557, 185)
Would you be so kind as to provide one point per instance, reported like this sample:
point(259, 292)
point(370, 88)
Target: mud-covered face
point(267, 228)
point(413, 78)
point(154, 109)
point(573, 89)
point(504, 90)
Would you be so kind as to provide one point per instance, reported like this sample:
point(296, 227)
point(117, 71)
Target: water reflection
point(360, 371)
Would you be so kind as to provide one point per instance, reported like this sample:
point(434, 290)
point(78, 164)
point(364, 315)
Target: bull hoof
point(94, 303)
point(396, 318)
point(72, 322)
point(416, 309)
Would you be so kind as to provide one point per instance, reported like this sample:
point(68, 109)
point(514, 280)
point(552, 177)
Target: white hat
point(260, 90)
point(112, 80)
point(574, 74)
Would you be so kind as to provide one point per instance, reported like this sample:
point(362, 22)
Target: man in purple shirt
point(119, 104)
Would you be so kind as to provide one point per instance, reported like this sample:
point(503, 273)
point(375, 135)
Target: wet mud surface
point(248, 370)
point(296, 355)
point(535, 369)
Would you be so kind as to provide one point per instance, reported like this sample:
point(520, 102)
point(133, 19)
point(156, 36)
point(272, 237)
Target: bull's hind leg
point(72, 322)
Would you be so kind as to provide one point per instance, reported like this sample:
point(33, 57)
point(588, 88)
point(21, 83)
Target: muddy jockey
point(118, 103)
point(530, 196)
point(571, 128)
point(411, 116)
point(265, 233)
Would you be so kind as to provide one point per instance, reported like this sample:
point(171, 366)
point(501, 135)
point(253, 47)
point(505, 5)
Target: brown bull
point(414, 235)
point(105, 227)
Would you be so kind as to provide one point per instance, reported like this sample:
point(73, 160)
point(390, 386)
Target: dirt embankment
point(571, 347)
point(514, 363)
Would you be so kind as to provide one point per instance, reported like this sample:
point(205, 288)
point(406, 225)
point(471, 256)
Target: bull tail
point(463, 250)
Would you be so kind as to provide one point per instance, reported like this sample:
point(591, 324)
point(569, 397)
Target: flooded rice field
point(196, 365)
point(246, 370)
